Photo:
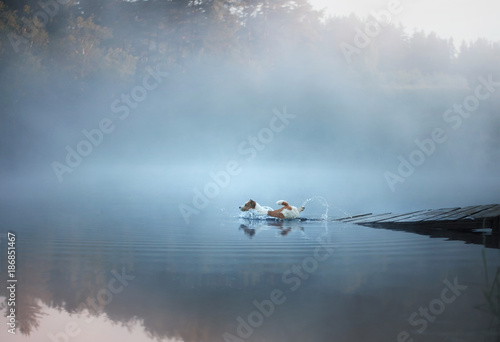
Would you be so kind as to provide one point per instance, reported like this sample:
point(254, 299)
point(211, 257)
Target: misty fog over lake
point(132, 131)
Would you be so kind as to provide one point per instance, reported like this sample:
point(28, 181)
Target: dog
point(286, 212)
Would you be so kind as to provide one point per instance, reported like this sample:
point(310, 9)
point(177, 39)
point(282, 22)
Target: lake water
point(133, 272)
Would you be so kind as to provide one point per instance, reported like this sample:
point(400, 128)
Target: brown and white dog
point(286, 212)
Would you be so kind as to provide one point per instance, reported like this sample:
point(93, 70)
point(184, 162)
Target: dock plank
point(403, 217)
point(371, 218)
point(375, 218)
point(352, 217)
point(466, 212)
point(491, 212)
point(395, 217)
point(426, 215)
point(443, 216)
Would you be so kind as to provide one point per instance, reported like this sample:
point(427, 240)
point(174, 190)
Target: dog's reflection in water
point(250, 232)
point(250, 229)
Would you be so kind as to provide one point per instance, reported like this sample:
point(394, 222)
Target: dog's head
point(247, 206)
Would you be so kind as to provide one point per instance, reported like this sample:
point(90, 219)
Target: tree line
point(117, 39)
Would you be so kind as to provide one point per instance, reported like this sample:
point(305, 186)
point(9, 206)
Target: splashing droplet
point(322, 201)
point(325, 204)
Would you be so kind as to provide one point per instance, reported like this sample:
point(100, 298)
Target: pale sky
point(460, 19)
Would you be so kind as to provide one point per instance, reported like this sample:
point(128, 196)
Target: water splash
point(325, 204)
point(345, 213)
point(322, 201)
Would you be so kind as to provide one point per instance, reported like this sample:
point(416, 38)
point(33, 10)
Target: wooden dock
point(477, 224)
point(466, 218)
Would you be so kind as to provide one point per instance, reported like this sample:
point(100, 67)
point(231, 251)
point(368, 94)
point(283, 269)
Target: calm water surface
point(131, 272)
